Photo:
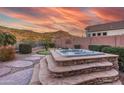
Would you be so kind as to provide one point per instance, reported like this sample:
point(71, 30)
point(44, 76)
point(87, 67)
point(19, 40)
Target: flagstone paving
point(18, 78)
point(18, 63)
point(4, 71)
point(38, 55)
point(33, 58)
point(18, 71)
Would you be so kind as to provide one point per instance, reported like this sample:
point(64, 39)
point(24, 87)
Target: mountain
point(23, 35)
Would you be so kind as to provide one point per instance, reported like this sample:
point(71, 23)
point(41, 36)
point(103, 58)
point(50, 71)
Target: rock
point(18, 63)
point(18, 78)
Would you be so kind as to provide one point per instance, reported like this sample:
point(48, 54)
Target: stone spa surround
point(56, 69)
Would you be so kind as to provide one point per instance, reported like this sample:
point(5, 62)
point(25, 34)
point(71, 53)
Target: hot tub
point(77, 52)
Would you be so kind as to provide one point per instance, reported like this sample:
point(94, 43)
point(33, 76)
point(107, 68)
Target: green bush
point(97, 47)
point(7, 39)
point(25, 48)
point(43, 52)
point(118, 51)
point(51, 45)
point(7, 51)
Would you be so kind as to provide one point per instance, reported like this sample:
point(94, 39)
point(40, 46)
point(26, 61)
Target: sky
point(72, 20)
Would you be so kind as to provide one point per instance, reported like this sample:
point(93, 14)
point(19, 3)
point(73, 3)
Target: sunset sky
point(72, 20)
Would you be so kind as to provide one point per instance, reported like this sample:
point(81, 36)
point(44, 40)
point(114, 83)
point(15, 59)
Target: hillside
point(22, 35)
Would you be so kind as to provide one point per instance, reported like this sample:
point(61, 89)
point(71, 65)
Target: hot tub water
point(77, 52)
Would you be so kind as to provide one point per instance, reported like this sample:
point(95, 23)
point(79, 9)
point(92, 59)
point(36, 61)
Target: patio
point(18, 71)
point(26, 67)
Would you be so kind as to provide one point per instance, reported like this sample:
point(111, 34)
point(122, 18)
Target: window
point(98, 34)
point(94, 34)
point(104, 33)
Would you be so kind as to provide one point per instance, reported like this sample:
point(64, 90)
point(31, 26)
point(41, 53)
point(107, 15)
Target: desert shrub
point(97, 47)
point(118, 51)
point(51, 45)
point(7, 39)
point(48, 44)
point(25, 48)
point(7, 53)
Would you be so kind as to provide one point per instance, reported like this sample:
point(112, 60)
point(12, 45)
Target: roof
point(106, 26)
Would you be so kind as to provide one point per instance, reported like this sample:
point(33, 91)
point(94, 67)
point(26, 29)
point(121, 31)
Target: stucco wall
point(115, 32)
point(104, 40)
point(117, 41)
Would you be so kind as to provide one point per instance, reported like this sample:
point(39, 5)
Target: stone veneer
point(97, 78)
point(66, 61)
point(58, 70)
point(100, 80)
point(78, 72)
point(66, 71)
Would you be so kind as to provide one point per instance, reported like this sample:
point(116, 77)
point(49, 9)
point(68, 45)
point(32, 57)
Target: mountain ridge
point(23, 35)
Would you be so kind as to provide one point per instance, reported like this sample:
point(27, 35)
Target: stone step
point(118, 82)
point(64, 71)
point(46, 78)
point(35, 79)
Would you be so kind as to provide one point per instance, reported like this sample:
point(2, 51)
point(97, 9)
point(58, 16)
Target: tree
point(7, 52)
point(46, 44)
point(46, 40)
point(7, 39)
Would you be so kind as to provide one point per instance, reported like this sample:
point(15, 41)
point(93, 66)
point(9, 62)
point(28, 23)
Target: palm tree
point(7, 39)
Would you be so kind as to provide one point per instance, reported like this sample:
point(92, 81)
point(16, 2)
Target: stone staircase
point(97, 70)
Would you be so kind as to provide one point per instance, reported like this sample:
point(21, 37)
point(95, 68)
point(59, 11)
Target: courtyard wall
point(70, 42)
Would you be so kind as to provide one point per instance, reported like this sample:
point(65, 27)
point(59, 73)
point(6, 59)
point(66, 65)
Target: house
point(107, 29)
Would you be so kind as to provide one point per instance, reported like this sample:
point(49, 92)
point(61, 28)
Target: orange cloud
point(109, 14)
point(57, 18)
point(72, 20)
